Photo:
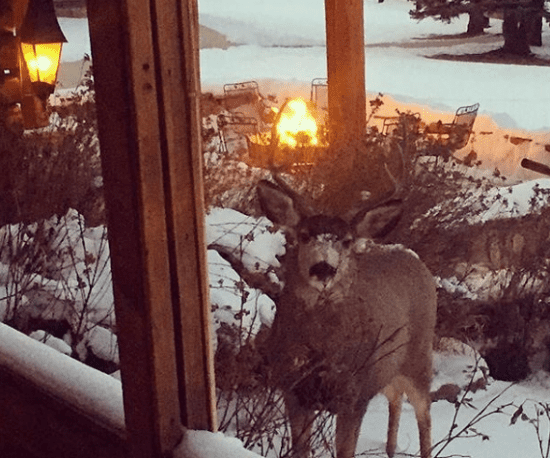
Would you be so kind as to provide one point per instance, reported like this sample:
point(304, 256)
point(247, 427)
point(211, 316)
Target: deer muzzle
point(322, 270)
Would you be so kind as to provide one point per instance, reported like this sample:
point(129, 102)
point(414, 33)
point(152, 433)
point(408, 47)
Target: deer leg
point(395, 398)
point(423, 418)
point(301, 421)
point(348, 426)
point(421, 401)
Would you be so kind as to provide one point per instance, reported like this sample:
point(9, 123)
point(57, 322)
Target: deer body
point(354, 319)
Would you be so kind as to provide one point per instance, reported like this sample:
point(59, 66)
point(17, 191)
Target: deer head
point(324, 244)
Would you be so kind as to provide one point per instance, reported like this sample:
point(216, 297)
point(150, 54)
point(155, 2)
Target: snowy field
point(284, 41)
point(281, 45)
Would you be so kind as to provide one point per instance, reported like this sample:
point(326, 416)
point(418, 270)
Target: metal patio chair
point(319, 93)
point(456, 134)
point(235, 127)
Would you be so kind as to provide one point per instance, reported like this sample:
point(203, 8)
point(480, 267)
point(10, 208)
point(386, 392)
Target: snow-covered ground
point(515, 96)
point(281, 45)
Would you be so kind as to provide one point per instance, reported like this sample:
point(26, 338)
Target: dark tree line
point(522, 19)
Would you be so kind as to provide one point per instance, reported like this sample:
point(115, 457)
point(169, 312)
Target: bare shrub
point(56, 278)
point(50, 170)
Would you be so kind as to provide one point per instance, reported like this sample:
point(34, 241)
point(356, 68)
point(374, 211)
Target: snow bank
point(483, 204)
point(204, 444)
point(251, 241)
point(233, 302)
point(78, 39)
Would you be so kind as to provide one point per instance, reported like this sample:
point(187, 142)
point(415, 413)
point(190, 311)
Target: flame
point(297, 125)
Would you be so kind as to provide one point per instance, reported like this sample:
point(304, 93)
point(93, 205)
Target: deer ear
point(277, 205)
point(381, 220)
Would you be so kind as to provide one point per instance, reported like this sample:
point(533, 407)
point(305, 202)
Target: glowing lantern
point(42, 61)
point(41, 42)
point(297, 125)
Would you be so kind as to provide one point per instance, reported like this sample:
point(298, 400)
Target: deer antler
point(304, 206)
point(387, 197)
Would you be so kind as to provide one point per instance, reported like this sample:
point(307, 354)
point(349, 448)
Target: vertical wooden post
point(345, 67)
point(145, 64)
point(180, 68)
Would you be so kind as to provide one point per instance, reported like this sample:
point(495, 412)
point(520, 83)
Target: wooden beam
point(129, 120)
point(146, 76)
point(345, 68)
point(179, 67)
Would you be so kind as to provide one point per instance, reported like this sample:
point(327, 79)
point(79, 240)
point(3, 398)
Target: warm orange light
point(297, 125)
point(42, 61)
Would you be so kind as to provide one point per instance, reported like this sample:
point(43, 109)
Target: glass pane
point(450, 127)
point(42, 61)
point(55, 280)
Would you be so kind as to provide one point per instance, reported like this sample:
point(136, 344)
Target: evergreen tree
point(522, 19)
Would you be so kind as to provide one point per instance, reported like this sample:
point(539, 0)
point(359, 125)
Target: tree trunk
point(515, 34)
point(535, 23)
point(477, 23)
point(535, 31)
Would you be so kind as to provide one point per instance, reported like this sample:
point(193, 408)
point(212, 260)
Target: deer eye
point(346, 243)
point(303, 236)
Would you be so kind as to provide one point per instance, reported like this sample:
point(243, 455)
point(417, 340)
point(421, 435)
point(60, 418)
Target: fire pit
point(296, 138)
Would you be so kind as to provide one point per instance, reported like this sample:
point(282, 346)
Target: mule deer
point(354, 318)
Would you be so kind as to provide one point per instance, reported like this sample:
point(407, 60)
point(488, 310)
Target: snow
point(516, 201)
point(226, 296)
point(442, 85)
point(103, 343)
point(283, 42)
point(281, 45)
point(204, 444)
point(78, 41)
point(250, 237)
point(484, 205)
point(51, 341)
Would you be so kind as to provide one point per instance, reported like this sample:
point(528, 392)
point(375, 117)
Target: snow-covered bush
point(56, 278)
point(487, 244)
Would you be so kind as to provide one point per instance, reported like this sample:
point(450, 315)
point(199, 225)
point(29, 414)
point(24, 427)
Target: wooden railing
point(54, 406)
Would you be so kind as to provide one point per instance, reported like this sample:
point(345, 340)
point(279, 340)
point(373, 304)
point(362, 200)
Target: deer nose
point(322, 270)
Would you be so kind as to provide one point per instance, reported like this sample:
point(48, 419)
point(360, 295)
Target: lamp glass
point(42, 61)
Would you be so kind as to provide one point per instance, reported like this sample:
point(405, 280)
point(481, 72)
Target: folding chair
point(247, 99)
point(319, 93)
point(409, 121)
point(457, 133)
point(237, 124)
point(238, 94)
